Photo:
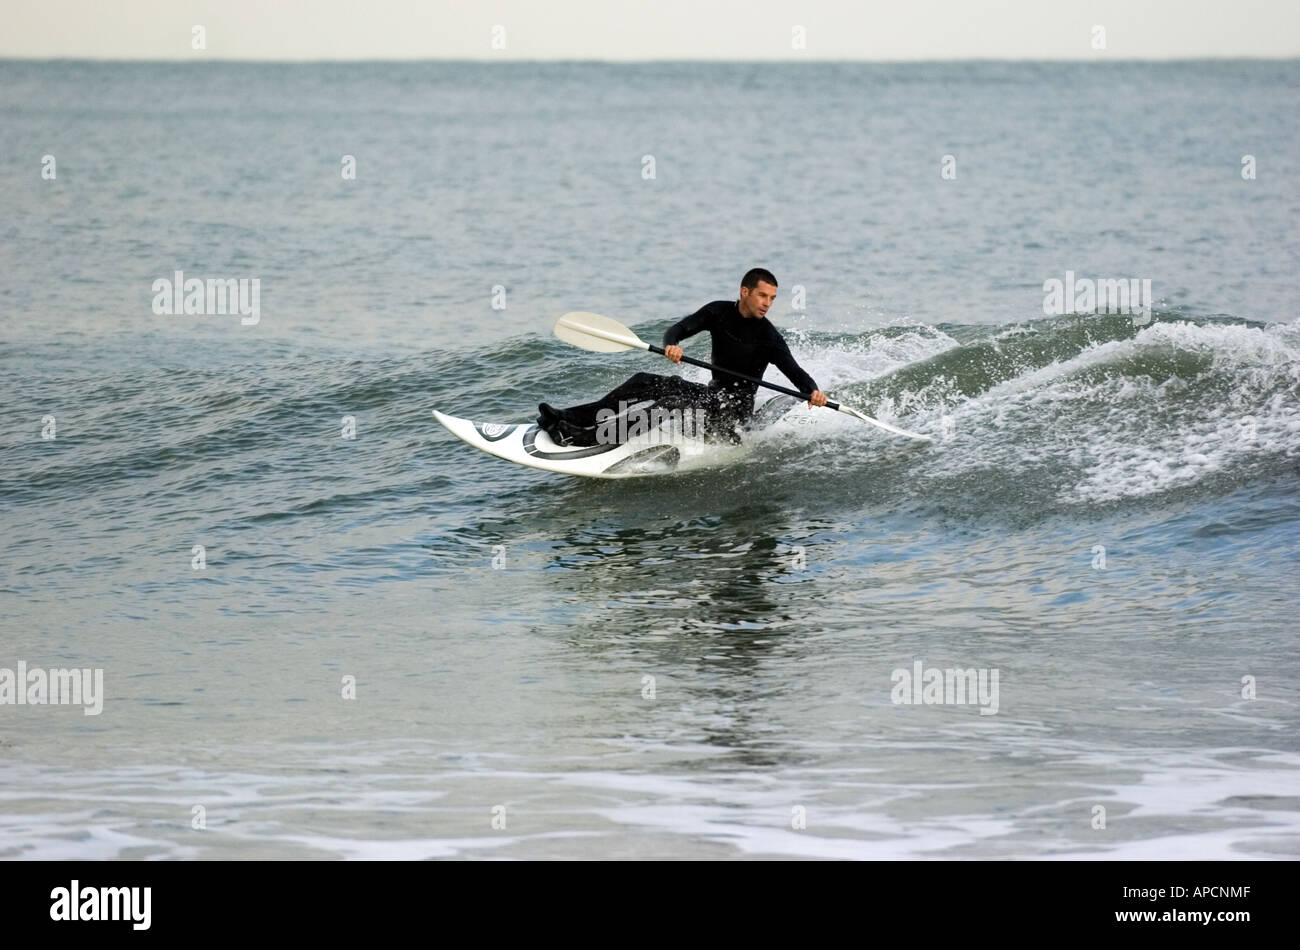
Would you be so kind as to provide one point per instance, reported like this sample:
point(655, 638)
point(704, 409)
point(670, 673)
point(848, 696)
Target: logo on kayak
point(494, 430)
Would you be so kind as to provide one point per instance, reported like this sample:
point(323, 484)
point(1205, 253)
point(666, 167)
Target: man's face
point(754, 303)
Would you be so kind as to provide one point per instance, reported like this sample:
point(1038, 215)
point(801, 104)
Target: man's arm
point(701, 319)
point(784, 360)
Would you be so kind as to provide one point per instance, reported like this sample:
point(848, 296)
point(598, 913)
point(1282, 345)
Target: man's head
point(757, 292)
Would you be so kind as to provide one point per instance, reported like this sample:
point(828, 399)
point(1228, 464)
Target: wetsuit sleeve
point(701, 319)
point(783, 360)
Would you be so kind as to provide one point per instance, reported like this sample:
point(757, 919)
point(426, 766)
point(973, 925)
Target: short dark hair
point(754, 275)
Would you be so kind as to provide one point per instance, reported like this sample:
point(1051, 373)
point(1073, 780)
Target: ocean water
point(703, 665)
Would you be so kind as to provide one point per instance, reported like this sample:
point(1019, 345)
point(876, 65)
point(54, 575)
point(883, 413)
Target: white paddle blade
point(599, 334)
point(883, 425)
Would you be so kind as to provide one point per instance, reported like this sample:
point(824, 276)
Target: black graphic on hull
point(494, 431)
point(530, 438)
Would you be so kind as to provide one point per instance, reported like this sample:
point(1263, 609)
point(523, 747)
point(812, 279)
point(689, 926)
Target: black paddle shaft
point(731, 372)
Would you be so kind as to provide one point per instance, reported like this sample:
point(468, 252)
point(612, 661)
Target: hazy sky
point(649, 29)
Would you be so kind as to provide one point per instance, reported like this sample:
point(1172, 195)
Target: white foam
point(850, 363)
point(402, 802)
point(1129, 436)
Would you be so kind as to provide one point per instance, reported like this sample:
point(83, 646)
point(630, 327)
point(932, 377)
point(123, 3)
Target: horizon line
point(503, 61)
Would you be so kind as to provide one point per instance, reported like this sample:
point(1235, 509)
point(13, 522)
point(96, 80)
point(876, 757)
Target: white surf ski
point(656, 452)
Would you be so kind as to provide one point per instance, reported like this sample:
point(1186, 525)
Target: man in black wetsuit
point(743, 340)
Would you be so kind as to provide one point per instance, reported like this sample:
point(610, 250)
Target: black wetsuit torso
point(744, 344)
